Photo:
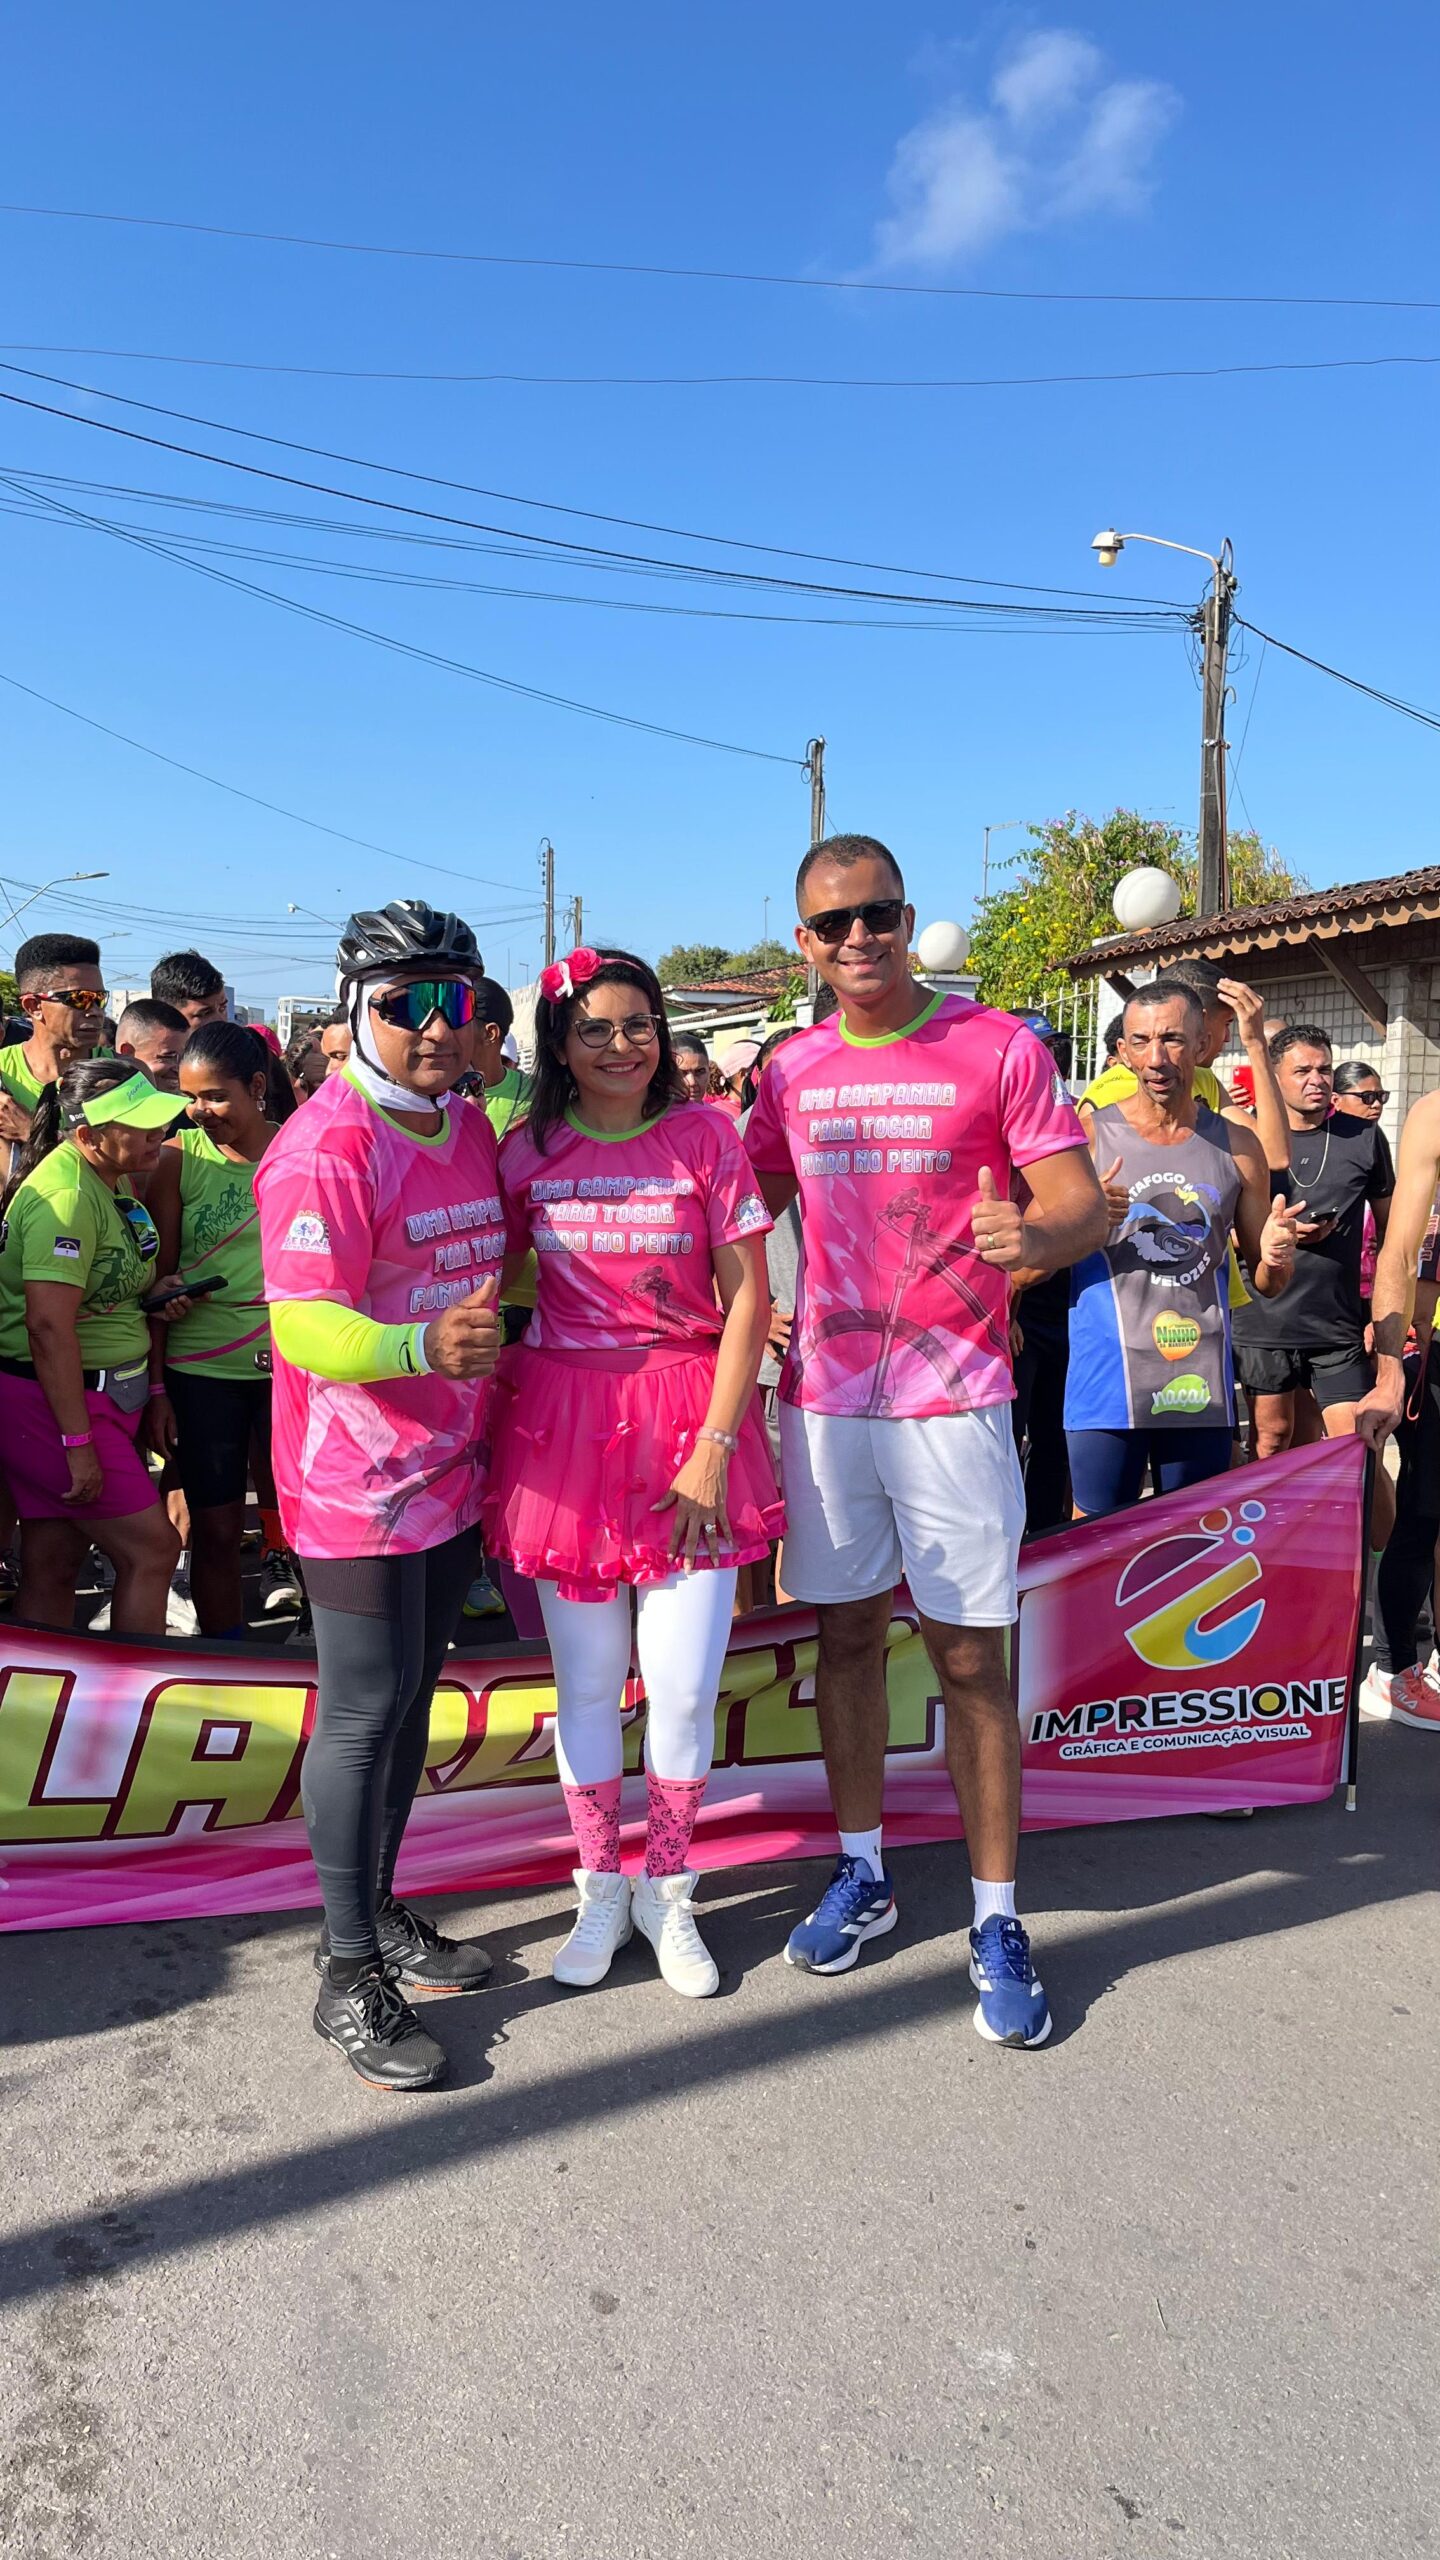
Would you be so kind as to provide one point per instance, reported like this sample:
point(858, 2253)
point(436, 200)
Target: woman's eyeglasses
point(638, 1028)
point(1374, 1096)
point(409, 1008)
point(79, 999)
point(878, 915)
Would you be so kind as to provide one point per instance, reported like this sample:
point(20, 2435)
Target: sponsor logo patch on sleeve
point(67, 1249)
point(307, 1233)
point(750, 1214)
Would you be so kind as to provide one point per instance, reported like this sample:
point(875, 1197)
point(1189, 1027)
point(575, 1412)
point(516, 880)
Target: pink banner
point(1193, 1653)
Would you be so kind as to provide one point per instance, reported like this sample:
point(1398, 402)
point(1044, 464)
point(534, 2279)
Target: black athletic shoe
point(420, 1959)
point(378, 2032)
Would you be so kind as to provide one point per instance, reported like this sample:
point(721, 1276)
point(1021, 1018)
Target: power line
point(1392, 701)
point(388, 640)
point(981, 614)
point(471, 489)
point(710, 275)
point(364, 844)
point(722, 381)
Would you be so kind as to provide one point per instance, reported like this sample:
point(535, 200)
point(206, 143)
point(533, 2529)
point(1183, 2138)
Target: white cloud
point(1055, 141)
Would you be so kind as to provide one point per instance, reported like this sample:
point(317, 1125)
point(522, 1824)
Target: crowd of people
point(661, 1336)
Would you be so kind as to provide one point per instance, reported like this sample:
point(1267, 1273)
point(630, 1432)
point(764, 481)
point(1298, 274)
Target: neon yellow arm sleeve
point(334, 1342)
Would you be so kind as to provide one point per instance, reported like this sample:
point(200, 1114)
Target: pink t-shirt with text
point(356, 1210)
point(623, 1228)
point(896, 1313)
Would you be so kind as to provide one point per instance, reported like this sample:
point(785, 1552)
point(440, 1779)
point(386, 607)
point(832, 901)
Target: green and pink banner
point(1195, 1653)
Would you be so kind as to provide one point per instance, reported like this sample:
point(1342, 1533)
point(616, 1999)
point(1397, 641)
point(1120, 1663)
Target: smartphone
point(159, 1298)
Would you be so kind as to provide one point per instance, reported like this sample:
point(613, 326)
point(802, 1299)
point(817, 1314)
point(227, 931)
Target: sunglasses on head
point(409, 1008)
point(638, 1028)
point(79, 999)
point(878, 915)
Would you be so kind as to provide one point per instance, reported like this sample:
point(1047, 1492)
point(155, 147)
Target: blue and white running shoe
point(1013, 2008)
point(852, 1908)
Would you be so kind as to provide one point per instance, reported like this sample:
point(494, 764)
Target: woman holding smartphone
point(79, 1381)
point(215, 1418)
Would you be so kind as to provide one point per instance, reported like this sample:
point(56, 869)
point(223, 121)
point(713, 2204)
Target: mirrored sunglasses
point(409, 1008)
point(79, 999)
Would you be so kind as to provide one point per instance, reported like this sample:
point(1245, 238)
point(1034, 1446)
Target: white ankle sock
point(866, 1845)
point(993, 1901)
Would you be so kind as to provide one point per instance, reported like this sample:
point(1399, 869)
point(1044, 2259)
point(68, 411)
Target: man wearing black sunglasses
point(62, 991)
point(901, 1123)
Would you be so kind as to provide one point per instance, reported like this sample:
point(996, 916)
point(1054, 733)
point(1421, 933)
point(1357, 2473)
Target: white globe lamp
point(943, 946)
point(1144, 898)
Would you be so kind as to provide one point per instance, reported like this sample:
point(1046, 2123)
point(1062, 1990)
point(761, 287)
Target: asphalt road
point(806, 2269)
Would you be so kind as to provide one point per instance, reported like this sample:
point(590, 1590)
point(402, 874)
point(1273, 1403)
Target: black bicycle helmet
point(402, 934)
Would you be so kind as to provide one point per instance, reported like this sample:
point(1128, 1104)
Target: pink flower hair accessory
point(563, 977)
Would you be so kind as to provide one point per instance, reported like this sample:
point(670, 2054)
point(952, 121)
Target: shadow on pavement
point(1183, 1885)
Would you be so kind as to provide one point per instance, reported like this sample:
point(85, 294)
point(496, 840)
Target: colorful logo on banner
point(1176, 1636)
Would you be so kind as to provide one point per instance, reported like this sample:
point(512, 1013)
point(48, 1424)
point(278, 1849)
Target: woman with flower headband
point(628, 1449)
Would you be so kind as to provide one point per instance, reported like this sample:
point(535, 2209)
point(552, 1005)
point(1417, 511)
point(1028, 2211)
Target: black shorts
point(1341, 1375)
point(215, 1419)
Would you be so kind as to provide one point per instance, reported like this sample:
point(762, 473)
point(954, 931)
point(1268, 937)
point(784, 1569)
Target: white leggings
point(682, 1629)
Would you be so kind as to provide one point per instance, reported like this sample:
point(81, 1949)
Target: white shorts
point(937, 1499)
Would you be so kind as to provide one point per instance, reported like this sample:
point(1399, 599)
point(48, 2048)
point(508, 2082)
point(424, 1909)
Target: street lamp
point(996, 827)
point(1213, 622)
point(331, 923)
point(62, 883)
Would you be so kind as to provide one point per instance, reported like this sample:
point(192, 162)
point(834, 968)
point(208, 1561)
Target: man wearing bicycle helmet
point(383, 1235)
point(900, 1122)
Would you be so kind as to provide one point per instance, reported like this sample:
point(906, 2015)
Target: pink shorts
point(37, 1469)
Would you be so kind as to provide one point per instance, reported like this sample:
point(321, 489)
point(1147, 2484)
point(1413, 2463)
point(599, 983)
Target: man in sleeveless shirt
point(1405, 1398)
point(1151, 1369)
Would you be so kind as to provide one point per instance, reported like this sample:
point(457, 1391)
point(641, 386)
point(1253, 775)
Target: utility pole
point(996, 827)
point(1213, 890)
point(815, 776)
point(547, 873)
point(577, 923)
point(1213, 624)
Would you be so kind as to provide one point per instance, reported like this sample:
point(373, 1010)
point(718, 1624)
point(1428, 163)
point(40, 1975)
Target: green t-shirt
point(227, 1336)
point(18, 1076)
point(65, 1224)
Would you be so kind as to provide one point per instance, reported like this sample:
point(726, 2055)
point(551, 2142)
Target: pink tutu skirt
point(583, 1445)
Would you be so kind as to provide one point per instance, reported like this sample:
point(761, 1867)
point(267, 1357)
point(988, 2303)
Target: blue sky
point(1122, 149)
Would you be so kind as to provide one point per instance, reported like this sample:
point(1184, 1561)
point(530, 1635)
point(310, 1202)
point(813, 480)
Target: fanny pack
point(127, 1384)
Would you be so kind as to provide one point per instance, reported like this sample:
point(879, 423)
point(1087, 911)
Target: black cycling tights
point(382, 1628)
point(1407, 1568)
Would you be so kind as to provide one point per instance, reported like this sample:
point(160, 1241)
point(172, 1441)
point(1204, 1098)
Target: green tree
point(762, 955)
point(1061, 897)
point(9, 992)
point(690, 962)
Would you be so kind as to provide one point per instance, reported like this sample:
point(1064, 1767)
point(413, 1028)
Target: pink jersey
point(896, 1313)
point(357, 1210)
point(623, 1227)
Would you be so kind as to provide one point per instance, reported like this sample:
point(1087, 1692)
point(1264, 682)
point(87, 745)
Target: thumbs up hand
point(1117, 1197)
point(464, 1342)
point(996, 1225)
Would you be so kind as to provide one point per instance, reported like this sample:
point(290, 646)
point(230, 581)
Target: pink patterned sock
point(671, 1807)
point(595, 1820)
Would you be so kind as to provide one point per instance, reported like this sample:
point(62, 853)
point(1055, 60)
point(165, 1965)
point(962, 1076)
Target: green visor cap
point(136, 1104)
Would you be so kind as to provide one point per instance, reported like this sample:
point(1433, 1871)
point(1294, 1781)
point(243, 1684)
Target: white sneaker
point(1375, 1695)
point(665, 1914)
point(602, 1924)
